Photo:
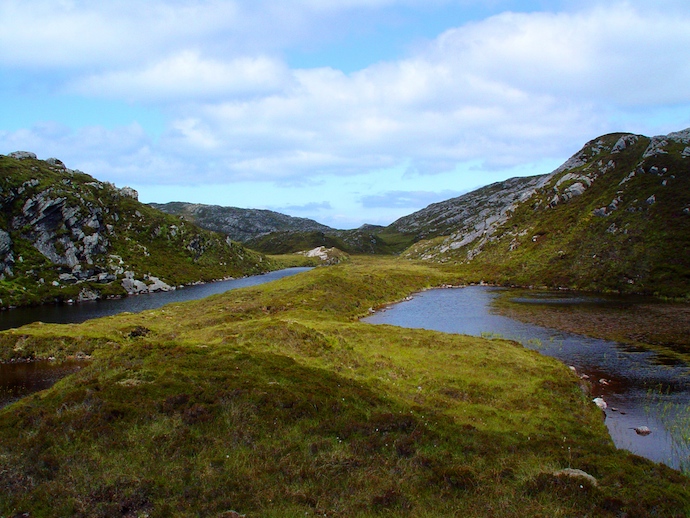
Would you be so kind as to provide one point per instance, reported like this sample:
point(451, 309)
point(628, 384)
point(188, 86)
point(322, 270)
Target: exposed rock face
point(22, 155)
point(470, 218)
point(129, 193)
point(157, 285)
point(328, 256)
point(6, 255)
point(133, 286)
point(582, 225)
point(59, 227)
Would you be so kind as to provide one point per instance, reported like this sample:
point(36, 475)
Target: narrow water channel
point(22, 378)
point(76, 313)
point(639, 390)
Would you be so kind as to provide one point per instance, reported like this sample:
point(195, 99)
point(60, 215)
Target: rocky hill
point(615, 216)
point(67, 236)
point(473, 215)
point(240, 224)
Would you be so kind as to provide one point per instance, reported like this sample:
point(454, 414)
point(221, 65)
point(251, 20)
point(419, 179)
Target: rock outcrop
point(67, 236)
point(327, 256)
point(240, 224)
point(614, 216)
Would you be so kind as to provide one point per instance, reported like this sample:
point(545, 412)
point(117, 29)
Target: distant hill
point(275, 233)
point(240, 224)
point(368, 239)
point(67, 236)
point(615, 216)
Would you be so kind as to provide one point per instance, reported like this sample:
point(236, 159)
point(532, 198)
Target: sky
point(343, 111)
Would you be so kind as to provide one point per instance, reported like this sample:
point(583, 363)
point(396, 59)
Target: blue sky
point(344, 111)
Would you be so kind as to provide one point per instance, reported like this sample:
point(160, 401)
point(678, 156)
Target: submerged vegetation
point(275, 401)
point(651, 324)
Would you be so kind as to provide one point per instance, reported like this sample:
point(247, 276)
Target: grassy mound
point(275, 401)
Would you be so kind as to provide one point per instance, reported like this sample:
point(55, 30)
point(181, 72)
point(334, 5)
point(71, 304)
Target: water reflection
point(20, 379)
point(72, 314)
point(639, 389)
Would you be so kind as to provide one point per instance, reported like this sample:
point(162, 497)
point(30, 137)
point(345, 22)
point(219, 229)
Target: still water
point(639, 390)
point(75, 313)
point(20, 379)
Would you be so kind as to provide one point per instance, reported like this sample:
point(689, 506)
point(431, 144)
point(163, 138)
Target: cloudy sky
point(344, 111)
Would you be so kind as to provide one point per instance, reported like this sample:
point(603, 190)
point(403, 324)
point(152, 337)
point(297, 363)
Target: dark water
point(20, 379)
point(75, 313)
point(639, 390)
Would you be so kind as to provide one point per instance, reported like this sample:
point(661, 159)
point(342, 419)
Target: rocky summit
point(240, 224)
point(67, 236)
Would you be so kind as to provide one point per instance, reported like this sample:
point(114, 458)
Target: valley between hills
point(277, 401)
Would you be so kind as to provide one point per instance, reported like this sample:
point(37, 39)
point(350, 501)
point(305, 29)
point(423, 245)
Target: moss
point(275, 401)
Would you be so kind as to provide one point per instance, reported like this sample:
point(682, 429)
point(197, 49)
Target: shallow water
point(22, 378)
point(639, 390)
point(75, 313)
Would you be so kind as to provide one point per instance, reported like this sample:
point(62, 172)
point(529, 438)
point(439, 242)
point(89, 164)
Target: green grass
point(276, 401)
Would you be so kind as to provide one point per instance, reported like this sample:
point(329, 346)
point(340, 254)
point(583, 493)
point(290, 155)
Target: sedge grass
point(276, 401)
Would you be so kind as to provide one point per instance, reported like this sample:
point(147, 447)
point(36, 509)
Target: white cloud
point(508, 90)
point(503, 91)
point(615, 53)
point(189, 76)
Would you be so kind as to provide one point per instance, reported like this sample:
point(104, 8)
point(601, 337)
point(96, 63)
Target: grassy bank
point(275, 401)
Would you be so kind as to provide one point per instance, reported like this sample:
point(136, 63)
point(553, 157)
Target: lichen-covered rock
point(129, 193)
point(327, 256)
point(67, 225)
point(22, 155)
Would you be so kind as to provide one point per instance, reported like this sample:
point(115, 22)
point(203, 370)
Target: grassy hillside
point(65, 235)
point(275, 401)
point(615, 217)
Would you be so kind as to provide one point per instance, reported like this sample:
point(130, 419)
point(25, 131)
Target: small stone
point(599, 401)
point(642, 430)
point(576, 473)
